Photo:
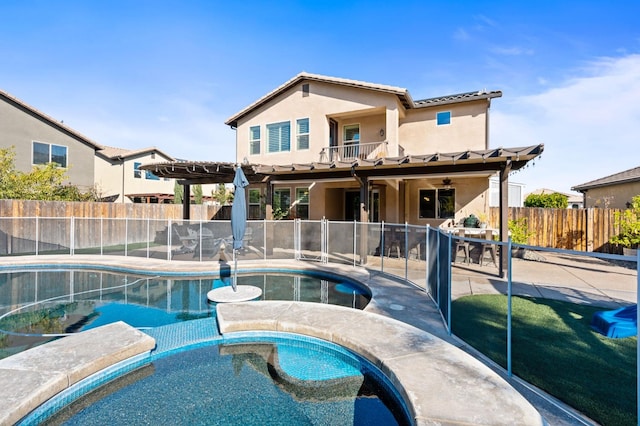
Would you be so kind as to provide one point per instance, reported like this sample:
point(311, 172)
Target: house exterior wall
point(612, 196)
point(470, 198)
point(20, 128)
point(118, 177)
point(420, 134)
point(343, 104)
point(110, 175)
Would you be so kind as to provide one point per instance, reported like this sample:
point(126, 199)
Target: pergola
point(499, 160)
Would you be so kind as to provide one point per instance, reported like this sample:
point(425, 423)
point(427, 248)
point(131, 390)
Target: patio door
point(352, 205)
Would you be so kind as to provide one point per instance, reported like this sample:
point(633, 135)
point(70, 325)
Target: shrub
point(555, 200)
point(628, 224)
point(519, 230)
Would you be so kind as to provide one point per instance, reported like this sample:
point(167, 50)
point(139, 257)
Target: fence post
point(101, 237)
point(169, 232)
point(355, 243)
point(126, 235)
point(264, 238)
point(426, 258)
point(406, 250)
point(148, 236)
point(72, 236)
point(37, 233)
point(382, 248)
point(509, 307)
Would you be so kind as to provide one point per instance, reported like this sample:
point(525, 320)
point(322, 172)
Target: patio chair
point(464, 246)
point(488, 246)
point(188, 239)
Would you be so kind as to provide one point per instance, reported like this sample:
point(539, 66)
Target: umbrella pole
point(234, 281)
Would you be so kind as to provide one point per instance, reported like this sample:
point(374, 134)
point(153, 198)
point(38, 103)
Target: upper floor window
point(437, 203)
point(44, 153)
point(302, 130)
point(150, 176)
point(254, 140)
point(279, 137)
point(443, 118)
point(137, 173)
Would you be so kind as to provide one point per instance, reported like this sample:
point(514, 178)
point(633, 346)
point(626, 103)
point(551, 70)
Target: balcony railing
point(369, 150)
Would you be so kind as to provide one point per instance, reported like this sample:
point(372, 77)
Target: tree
point(178, 193)
point(554, 201)
point(45, 182)
point(221, 195)
point(197, 194)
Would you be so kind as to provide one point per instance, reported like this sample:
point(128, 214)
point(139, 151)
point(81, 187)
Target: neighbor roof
point(114, 153)
point(402, 94)
point(627, 176)
point(51, 121)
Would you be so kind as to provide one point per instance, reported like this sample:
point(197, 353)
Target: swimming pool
point(38, 305)
point(265, 378)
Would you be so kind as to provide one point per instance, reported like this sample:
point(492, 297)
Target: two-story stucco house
point(39, 139)
point(119, 178)
point(320, 120)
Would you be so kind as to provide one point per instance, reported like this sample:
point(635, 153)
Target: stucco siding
point(345, 105)
point(20, 129)
point(612, 196)
point(420, 134)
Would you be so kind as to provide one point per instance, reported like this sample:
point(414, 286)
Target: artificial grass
point(554, 348)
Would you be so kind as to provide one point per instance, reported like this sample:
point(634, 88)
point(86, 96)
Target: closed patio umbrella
point(238, 217)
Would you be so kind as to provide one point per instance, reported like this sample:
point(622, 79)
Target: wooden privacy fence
point(571, 229)
point(62, 209)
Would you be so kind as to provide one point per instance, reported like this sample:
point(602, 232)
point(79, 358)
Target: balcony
point(352, 151)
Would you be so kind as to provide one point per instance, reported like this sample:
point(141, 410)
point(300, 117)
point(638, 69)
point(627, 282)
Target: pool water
point(37, 306)
point(266, 381)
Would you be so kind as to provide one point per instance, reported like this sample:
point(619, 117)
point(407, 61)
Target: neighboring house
point(326, 120)
point(119, 178)
point(614, 191)
point(118, 173)
point(574, 201)
point(39, 139)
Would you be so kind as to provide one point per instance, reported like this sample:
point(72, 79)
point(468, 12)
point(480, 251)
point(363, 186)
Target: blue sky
point(140, 73)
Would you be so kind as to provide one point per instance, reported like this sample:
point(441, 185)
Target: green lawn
point(555, 349)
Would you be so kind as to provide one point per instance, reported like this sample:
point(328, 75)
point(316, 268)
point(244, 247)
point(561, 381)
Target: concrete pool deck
point(393, 298)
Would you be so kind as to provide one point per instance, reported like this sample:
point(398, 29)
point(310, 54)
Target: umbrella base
point(226, 294)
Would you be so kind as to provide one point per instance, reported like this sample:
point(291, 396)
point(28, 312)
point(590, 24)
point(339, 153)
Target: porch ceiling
point(491, 160)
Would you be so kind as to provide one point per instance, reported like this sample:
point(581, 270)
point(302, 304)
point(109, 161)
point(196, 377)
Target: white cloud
point(512, 51)
point(589, 125)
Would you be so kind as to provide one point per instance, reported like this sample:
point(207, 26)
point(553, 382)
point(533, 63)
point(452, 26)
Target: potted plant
point(627, 222)
point(482, 220)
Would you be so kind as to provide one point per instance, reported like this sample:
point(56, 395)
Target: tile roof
point(402, 94)
point(115, 153)
point(50, 120)
point(631, 175)
point(460, 97)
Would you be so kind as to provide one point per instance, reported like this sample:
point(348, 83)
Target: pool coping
point(32, 377)
point(440, 383)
